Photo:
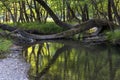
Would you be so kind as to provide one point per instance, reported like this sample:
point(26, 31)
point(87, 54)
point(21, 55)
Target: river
point(68, 60)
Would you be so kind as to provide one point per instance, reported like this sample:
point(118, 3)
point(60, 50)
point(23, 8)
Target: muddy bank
point(14, 67)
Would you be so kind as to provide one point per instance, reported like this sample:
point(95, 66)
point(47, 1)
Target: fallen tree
point(100, 24)
point(71, 30)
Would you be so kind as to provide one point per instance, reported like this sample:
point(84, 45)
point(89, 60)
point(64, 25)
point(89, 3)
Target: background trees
point(65, 10)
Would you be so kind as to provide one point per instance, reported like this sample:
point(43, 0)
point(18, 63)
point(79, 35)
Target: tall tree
point(53, 15)
point(114, 8)
point(110, 10)
point(9, 9)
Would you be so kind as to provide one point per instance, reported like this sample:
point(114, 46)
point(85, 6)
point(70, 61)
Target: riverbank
point(14, 67)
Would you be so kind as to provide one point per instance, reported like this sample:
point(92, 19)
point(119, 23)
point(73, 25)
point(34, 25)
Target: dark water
point(70, 60)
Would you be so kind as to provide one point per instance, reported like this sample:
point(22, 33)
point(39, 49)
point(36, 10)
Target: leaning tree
point(70, 29)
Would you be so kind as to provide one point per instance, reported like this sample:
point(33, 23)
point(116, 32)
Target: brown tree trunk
point(15, 11)
point(32, 15)
point(37, 11)
point(24, 10)
point(54, 17)
point(70, 12)
point(21, 18)
point(110, 10)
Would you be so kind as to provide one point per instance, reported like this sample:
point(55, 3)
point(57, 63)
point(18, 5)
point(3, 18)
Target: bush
point(113, 36)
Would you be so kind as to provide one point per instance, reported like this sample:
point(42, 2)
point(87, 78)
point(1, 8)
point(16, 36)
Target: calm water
point(68, 60)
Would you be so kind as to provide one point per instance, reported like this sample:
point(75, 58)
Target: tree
point(70, 29)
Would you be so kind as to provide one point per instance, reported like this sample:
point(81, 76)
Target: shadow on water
point(70, 60)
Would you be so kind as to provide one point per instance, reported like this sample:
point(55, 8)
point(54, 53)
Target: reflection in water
point(63, 61)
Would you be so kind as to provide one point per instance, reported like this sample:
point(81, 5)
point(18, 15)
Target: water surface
point(71, 60)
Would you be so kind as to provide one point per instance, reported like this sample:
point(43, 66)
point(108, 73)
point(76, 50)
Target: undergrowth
point(5, 44)
point(49, 27)
point(113, 36)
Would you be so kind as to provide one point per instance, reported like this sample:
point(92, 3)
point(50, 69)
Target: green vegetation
point(71, 61)
point(5, 45)
point(49, 27)
point(113, 36)
point(34, 16)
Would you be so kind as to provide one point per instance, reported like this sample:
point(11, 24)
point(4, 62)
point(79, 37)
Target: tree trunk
point(21, 18)
point(115, 11)
point(64, 11)
point(37, 11)
point(71, 13)
point(15, 11)
point(54, 17)
point(65, 34)
point(9, 10)
point(24, 10)
point(110, 10)
point(32, 15)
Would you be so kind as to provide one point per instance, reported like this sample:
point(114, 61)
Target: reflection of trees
point(52, 61)
point(112, 73)
point(34, 56)
point(74, 62)
point(40, 53)
point(114, 65)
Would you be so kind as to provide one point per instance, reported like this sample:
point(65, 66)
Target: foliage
point(96, 9)
point(113, 36)
point(4, 44)
point(48, 27)
point(27, 13)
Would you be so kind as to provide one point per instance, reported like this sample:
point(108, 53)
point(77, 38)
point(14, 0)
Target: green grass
point(49, 27)
point(113, 36)
point(5, 44)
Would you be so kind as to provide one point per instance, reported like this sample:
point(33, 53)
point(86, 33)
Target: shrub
point(113, 36)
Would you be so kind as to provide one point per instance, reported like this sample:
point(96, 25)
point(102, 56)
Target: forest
point(86, 18)
point(59, 39)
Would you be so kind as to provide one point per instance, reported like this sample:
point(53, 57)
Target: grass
point(113, 36)
point(46, 28)
point(5, 44)
point(49, 27)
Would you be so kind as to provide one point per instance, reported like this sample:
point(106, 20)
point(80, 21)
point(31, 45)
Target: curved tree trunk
point(77, 29)
point(72, 29)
